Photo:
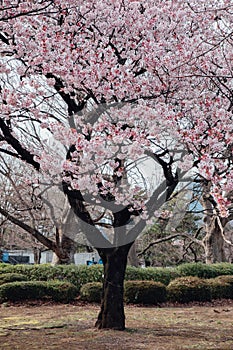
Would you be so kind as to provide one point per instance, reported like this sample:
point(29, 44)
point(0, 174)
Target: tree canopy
point(119, 85)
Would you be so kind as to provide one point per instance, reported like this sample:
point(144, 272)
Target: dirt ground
point(70, 327)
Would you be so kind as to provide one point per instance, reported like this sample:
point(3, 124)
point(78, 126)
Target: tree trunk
point(112, 305)
point(214, 243)
point(64, 254)
point(213, 240)
point(37, 255)
point(133, 259)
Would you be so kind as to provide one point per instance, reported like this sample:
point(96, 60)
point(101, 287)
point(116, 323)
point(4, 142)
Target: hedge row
point(11, 277)
point(204, 270)
point(38, 290)
point(181, 290)
point(81, 274)
point(135, 292)
point(144, 292)
point(77, 275)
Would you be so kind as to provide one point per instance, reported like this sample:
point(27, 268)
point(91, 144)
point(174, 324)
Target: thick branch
point(11, 140)
point(4, 39)
point(87, 224)
point(171, 180)
point(73, 107)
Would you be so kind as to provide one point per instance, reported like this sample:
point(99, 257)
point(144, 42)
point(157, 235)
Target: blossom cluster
point(113, 79)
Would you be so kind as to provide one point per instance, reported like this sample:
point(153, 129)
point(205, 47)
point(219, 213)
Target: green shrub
point(27, 270)
point(197, 269)
point(11, 277)
point(144, 292)
point(15, 291)
point(38, 290)
point(91, 292)
point(220, 288)
point(76, 274)
point(223, 269)
point(186, 289)
point(61, 291)
point(156, 274)
point(137, 292)
point(82, 274)
point(3, 265)
point(7, 268)
point(205, 270)
point(86, 274)
point(226, 279)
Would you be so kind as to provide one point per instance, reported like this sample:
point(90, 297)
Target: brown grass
point(70, 327)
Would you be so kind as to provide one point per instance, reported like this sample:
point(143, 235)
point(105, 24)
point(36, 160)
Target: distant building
point(27, 257)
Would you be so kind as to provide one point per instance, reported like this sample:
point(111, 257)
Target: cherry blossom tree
point(121, 86)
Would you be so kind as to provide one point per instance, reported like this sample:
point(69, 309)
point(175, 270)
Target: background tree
point(216, 240)
point(200, 232)
point(176, 234)
point(31, 217)
point(159, 247)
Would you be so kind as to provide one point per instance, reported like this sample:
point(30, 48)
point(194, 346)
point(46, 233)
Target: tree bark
point(112, 305)
point(133, 259)
point(214, 239)
point(64, 254)
point(37, 255)
point(214, 243)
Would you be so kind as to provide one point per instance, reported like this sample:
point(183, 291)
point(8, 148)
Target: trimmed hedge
point(226, 279)
point(144, 292)
point(38, 290)
point(204, 270)
point(75, 274)
point(190, 288)
point(91, 292)
point(11, 277)
point(219, 289)
point(223, 269)
point(156, 274)
point(197, 269)
point(182, 290)
point(82, 274)
point(136, 292)
point(62, 291)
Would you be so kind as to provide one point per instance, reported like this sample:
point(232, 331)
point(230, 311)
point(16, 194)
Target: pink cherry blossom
point(165, 68)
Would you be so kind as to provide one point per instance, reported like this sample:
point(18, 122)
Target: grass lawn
point(70, 327)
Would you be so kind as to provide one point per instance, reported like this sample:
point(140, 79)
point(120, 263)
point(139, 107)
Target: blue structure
point(5, 257)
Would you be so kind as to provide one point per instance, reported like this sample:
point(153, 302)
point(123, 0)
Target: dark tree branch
point(168, 238)
point(4, 39)
point(15, 144)
point(26, 13)
point(15, 155)
point(73, 107)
